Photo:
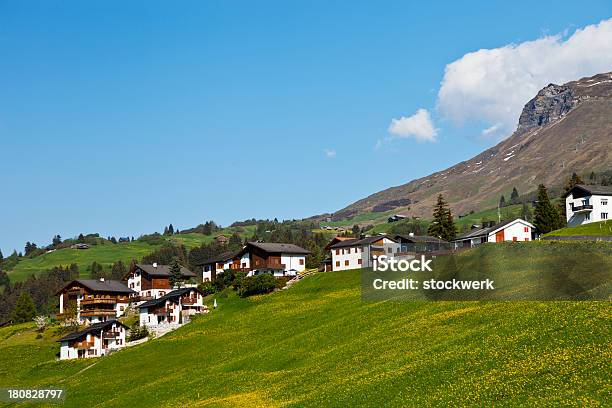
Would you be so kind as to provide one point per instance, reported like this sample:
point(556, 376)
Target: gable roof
point(421, 238)
point(337, 239)
point(94, 328)
point(175, 294)
point(222, 257)
point(164, 270)
point(275, 247)
point(592, 190)
point(359, 242)
point(106, 286)
point(489, 230)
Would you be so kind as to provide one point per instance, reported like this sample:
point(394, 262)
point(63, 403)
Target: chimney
point(155, 264)
point(101, 279)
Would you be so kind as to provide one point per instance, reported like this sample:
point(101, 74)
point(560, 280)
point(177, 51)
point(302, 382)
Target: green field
point(318, 344)
point(107, 253)
point(600, 228)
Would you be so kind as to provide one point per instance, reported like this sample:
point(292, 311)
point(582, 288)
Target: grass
point(107, 253)
point(601, 228)
point(318, 344)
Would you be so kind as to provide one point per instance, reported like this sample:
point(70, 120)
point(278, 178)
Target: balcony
point(98, 312)
point(582, 208)
point(111, 335)
point(98, 301)
point(189, 301)
point(268, 265)
point(84, 345)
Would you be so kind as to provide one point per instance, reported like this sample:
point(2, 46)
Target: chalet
point(396, 217)
point(585, 204)
point(152, 281)
point(256, 258)
point(95, 300)
point(95, 341)
point(174, 307)
point(421, 243)
point(217, 264)
point(512, 230)
point(221, 239)
point(358, 252)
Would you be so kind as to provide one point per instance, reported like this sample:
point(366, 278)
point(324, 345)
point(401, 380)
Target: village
point(162, 306)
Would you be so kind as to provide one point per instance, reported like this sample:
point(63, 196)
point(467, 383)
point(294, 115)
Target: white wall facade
point(601, 211)
point(294, 261)
point(518, 230)
point(347, 258)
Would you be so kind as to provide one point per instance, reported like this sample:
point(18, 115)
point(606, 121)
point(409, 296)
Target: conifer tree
point(502, 201)
point(546, 217)
point(24, 310)
point(170, 230)
point(526, 212)
point(514, 196)
point(443, 225)
point(175, 273)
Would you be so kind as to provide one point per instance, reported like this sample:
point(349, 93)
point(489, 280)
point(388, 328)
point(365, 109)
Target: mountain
point(563, 129)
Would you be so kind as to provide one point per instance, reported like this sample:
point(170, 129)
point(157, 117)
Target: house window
point(526, 229)
point(337, 252)
point(346, 263)
point(604, 201)
point(337, 263)
point(604, 216)
point(587, 216)
point(301, 261)
point(514, 238)
point(526, 239)
point(389, 250)
point(359, 261)
point(121, 308)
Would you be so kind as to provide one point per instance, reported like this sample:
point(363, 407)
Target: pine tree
point(356, 231)
point(97, 271)
point(514, 196)
point(175, 273)
point(443, 225)
point(170, 230)
point(118, 271)
point(24, 310)
point(526, 212)
point(80, 239)
point(56, 240)
point(546, 217)
point(502, 201)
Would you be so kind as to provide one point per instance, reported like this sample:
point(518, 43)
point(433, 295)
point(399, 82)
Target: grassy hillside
point(595, 228)
point(318, 344)
point(107, 253)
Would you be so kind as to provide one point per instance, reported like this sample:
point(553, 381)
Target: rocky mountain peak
point(550, 104)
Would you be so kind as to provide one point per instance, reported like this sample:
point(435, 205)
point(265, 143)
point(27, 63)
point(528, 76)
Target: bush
point(138, 332)
point(257, 285)
point(207, 288)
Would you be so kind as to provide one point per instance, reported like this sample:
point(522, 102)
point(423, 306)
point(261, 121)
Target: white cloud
point(419, 126)
point(493, 85)
point(329, 153)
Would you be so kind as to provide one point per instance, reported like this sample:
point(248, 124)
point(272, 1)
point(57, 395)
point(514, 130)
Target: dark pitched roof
point(486, 231)
point(593, 190)
point(96, 327)
point(274, 247)
point(357, 242)
point(225, 256)
point(421, 238)
point(172, 295)
point(164, 270)
point(107, 286)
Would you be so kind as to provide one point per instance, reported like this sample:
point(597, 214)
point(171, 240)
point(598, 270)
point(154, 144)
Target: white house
point(513, 230)
point(95, 341)
point(358, 253)
point(94, 301)
point(256, 258)
point(172, 308)
point(585, 204)
point(152, 281)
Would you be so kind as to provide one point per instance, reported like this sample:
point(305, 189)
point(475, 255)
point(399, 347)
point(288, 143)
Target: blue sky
point(122, 117)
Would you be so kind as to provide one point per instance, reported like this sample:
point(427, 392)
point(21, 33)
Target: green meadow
point(600, 228)
point(107, 253)
point(319, 344)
